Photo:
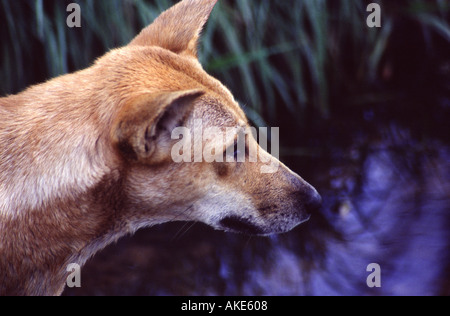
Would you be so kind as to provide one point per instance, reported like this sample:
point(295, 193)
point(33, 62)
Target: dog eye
point(230, 152)
point(235, 152)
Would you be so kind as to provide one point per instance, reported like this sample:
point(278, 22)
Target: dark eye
point(237, 154)
point(232, 151)
point(238, 151)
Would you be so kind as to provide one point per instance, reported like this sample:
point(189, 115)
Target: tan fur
point(85, 158)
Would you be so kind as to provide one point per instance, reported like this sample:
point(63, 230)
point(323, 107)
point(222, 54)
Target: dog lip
point(306, 219)
point(241, 225)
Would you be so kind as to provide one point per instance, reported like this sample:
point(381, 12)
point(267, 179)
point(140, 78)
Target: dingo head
point(163, 87)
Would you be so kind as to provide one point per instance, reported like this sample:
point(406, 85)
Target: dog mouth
point(245, 226)
point(241, 225)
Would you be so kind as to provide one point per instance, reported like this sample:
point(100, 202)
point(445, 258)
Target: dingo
point(86, 158)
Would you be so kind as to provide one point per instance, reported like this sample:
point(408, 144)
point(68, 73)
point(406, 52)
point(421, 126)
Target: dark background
point(363, 114)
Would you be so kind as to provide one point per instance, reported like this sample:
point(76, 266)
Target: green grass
point(295, 56)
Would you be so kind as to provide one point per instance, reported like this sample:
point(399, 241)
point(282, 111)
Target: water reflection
point(387, 201)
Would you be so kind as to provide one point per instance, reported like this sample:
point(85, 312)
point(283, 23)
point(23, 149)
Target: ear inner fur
point(135, 132)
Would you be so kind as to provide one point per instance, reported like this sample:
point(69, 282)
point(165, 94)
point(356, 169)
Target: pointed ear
point(178, 29)
point(143, 129)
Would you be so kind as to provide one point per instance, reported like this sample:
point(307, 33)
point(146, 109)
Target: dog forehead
point(214, 113)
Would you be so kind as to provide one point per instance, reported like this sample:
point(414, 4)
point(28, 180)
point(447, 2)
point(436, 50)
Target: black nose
point(309, 202)
point(314, 202)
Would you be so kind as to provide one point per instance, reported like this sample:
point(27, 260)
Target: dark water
point(386, 193)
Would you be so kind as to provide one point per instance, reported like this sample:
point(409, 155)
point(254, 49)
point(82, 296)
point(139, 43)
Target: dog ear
point(143, 129)
point(178, 29)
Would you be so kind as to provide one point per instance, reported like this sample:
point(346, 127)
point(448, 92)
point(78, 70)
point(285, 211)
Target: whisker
point(183, 213)
point(186, 230)
point(179, 232)
point(247, 244)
